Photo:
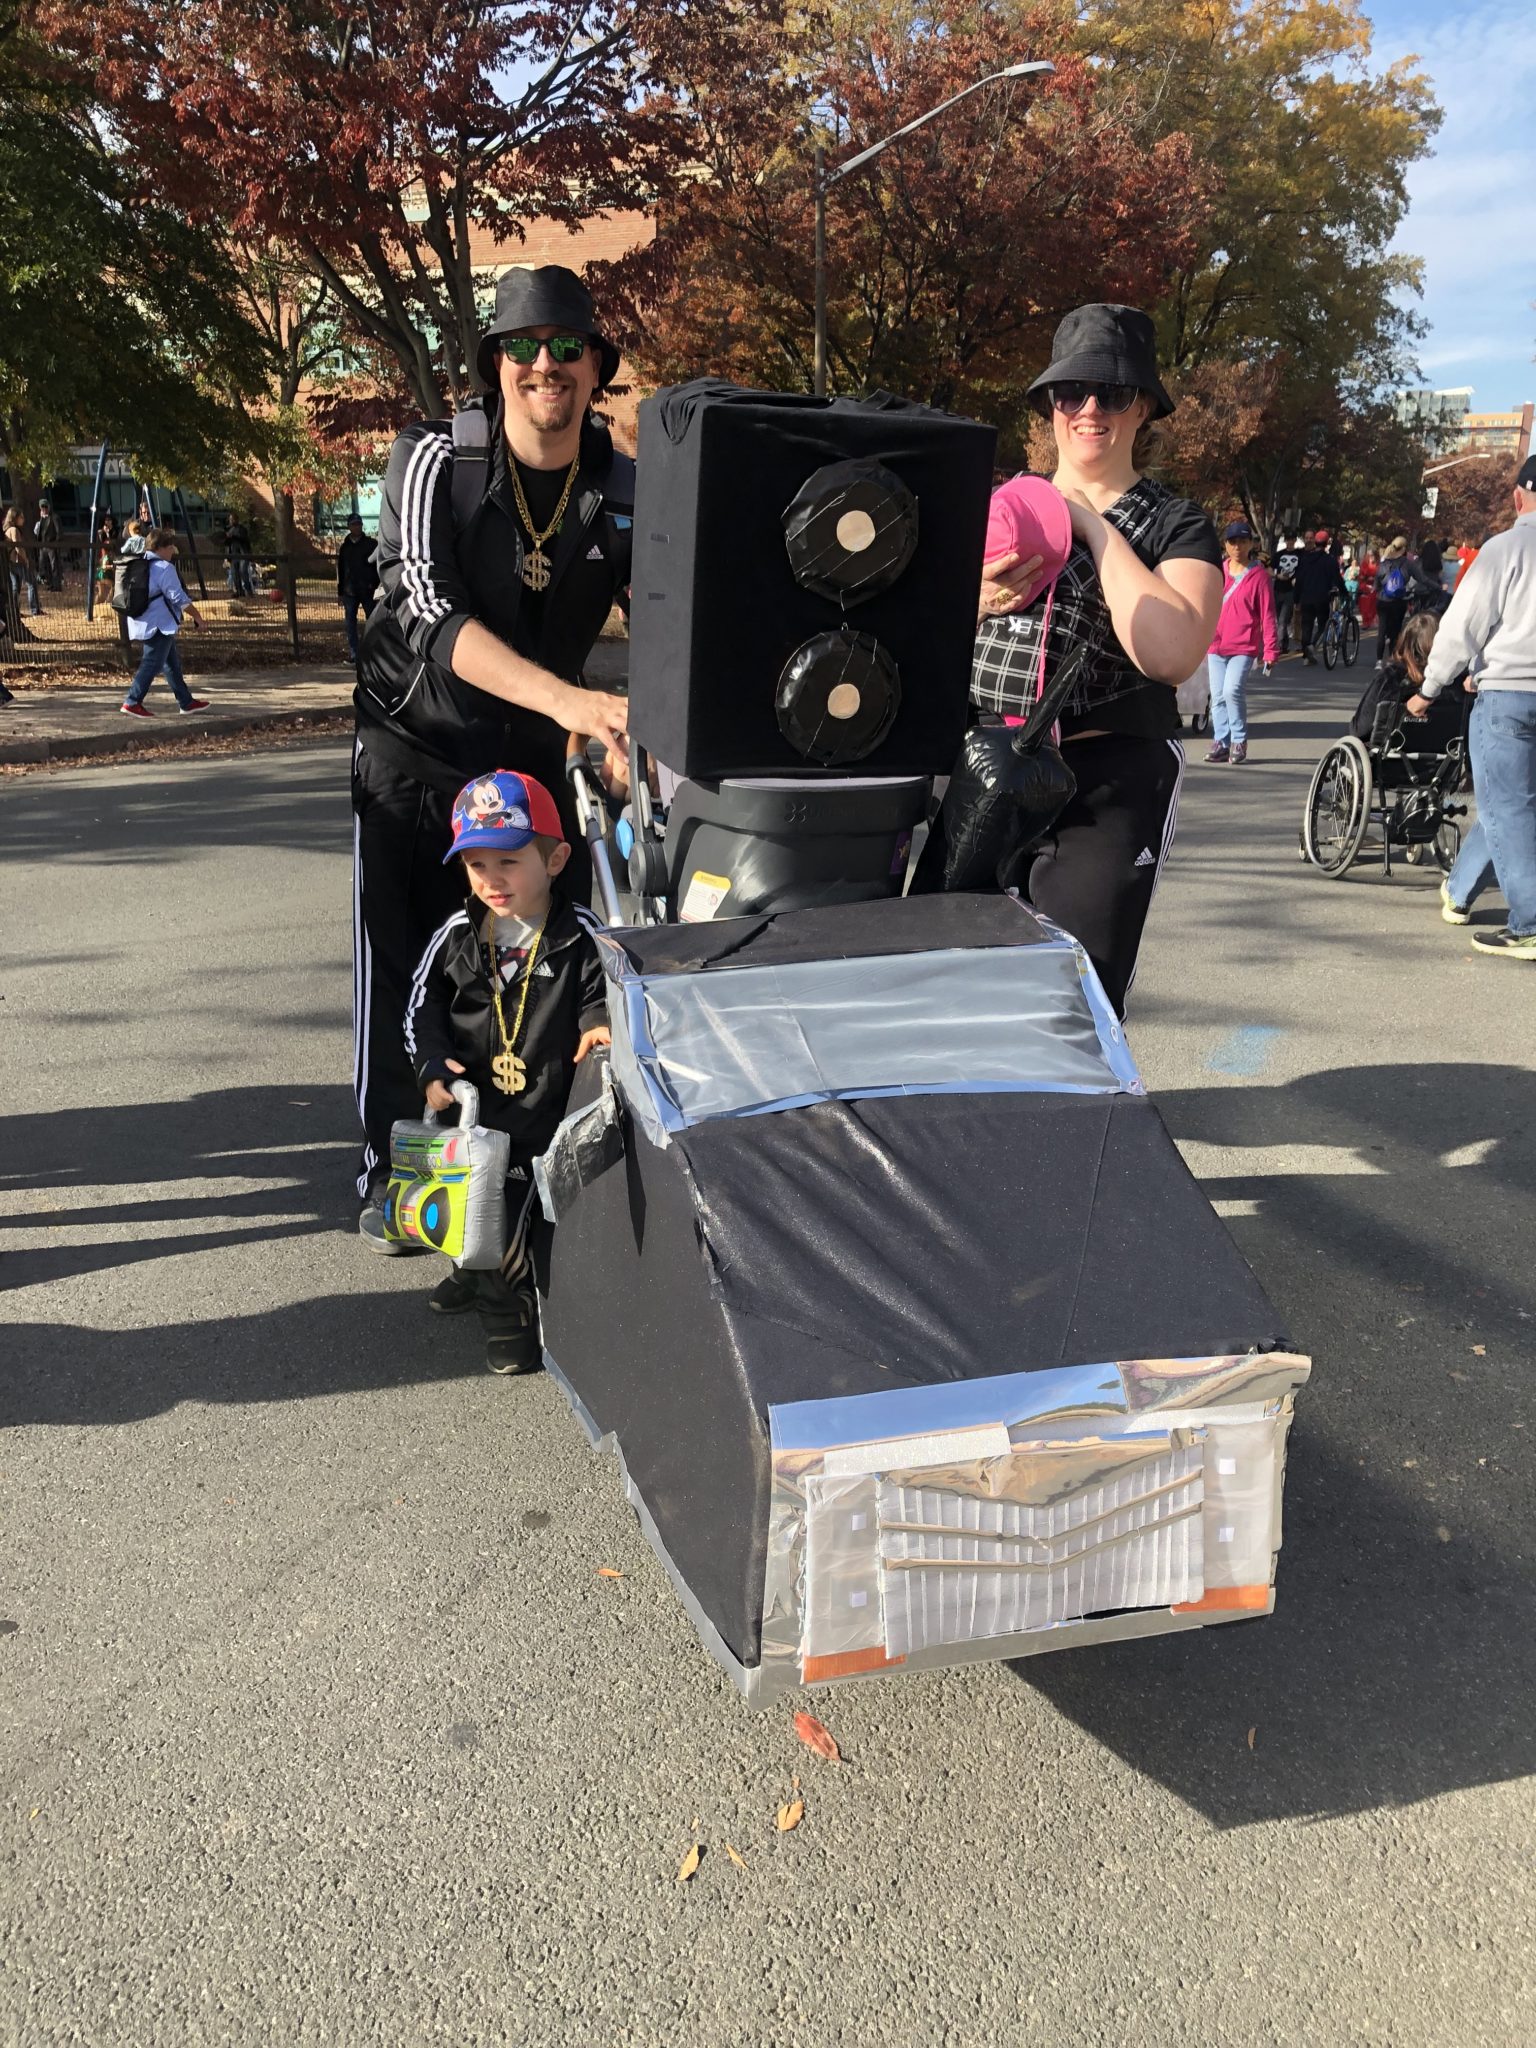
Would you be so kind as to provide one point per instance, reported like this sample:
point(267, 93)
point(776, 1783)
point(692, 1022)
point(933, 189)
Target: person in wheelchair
point(1381, 712)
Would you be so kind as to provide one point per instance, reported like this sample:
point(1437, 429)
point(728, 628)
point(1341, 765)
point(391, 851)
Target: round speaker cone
point(851, 530)
point(838, 697)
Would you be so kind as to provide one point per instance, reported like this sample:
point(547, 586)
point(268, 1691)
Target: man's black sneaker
point(452, 1296)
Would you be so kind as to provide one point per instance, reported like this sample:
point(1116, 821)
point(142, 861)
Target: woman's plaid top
point(1112, 694)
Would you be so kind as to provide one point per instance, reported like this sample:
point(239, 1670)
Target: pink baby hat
point(1029, 516)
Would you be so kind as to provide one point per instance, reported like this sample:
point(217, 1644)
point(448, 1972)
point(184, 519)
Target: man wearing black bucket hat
point(1141, 589)
point(504, 541)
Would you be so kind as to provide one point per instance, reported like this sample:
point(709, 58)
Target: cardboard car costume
point(915, 1339)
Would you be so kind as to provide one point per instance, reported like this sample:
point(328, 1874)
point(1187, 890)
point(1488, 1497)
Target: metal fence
point(270, 618)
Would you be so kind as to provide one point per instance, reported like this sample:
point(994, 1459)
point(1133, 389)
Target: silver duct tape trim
point(995, 1518)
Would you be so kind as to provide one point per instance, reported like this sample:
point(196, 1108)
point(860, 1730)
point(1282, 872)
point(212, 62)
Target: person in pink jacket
point(1245, 629)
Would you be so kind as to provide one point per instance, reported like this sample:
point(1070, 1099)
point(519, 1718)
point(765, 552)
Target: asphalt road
point(321, 1726)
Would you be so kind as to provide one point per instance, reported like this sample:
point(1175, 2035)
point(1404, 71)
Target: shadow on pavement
point(160, 817)
point(1401, 1659)
point(304, 1136)
point(338, 1344)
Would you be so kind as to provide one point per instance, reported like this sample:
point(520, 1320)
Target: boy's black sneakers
point(450, 1297)
point(512, 1341)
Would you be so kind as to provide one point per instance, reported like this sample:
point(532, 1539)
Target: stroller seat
point(746, 845)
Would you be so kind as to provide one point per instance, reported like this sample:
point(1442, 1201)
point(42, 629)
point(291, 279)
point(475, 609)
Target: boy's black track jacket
point(413, 713)
point(450, 1016)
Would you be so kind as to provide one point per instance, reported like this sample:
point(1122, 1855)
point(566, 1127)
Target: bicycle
point(1341, 635)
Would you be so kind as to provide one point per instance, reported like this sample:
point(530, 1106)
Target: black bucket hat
point(550, 296)
point(1104, 345)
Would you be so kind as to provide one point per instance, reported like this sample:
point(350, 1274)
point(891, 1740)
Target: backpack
point(130, 586)
point(1393, 581)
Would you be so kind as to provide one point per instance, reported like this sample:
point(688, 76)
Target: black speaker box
point(805, 581)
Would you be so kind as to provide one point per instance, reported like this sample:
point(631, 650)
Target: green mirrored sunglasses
point(524, 348)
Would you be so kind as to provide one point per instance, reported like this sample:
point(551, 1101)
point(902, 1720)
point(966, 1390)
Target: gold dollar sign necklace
point(507, 1069)
point(536, 564)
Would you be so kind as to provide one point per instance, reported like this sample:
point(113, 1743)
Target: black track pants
point(1094, 875)
point(1390, 612)
point(401, 894)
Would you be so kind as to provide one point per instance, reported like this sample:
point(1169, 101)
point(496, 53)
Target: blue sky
point(1473, 212)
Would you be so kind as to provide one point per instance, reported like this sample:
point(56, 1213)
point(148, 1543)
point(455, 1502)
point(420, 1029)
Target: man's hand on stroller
point(1417, 706)
point(591, 1040)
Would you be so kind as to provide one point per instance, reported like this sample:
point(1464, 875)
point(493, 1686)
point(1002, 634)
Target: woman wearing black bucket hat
point(1142, 588)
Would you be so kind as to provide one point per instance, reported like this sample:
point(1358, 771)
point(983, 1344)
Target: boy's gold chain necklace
point(507, 1069)
point(536, 564)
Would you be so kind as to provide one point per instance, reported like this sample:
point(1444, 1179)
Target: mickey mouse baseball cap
point(501, 812)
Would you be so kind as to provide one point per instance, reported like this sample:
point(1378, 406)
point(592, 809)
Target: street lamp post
point(823, 180)
point(1480, 455)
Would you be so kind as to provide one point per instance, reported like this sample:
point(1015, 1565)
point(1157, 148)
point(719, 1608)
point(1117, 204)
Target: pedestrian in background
point(22, 556)
point(1317, 578)
point(1426, 578)
point(1392, 588)
point(357, 578)
point(1245, 629)
point(1490, 631)
point(239, 565)
point(157, 627)
point(45, 532)
point(1286, 557)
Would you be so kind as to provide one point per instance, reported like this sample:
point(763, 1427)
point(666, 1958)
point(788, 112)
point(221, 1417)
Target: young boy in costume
point(509, 994)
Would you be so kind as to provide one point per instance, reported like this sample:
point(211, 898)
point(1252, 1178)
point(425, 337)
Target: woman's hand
point(1006, 581)
point(1088, 525)
point(439, 1096)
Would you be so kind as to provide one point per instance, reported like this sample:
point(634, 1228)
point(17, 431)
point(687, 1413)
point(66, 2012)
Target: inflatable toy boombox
point(448, 1185)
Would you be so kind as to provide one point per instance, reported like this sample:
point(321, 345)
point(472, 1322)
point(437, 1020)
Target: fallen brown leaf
point(740, 1861)
point(607, 1571)
point(790, 1816)
point(815, 1736)
point(689, 1864)
point(1479, 1350)
point(1253, 1736)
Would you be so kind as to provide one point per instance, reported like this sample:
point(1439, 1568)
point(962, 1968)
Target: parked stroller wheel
point(1338, 808)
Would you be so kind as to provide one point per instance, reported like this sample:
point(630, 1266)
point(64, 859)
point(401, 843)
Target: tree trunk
point(287, 568)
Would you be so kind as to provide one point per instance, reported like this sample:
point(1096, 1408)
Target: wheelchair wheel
point(1331, 644)
point(1446, 845)
point(1338, 808)
point(1351, 641)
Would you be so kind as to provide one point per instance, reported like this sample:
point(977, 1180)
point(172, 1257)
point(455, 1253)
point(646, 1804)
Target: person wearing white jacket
point(1490, 630)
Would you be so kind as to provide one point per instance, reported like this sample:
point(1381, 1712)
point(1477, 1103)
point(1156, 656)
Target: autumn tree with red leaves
point(950, 258)
point(369, 141)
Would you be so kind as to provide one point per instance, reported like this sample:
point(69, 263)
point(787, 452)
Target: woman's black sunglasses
point(524, 348)
point(1072, 397)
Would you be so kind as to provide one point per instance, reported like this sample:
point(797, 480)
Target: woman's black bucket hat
point(1103, 345)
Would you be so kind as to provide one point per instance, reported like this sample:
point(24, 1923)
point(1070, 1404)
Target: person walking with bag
point(156, 628)
point(1245, 629)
